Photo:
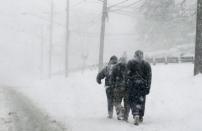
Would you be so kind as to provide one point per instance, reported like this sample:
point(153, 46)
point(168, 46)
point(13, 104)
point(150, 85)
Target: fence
point(152, 60)
point(167, 60)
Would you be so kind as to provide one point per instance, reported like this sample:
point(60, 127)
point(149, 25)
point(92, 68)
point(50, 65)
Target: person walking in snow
point(118, 80)
point(139, 83)
point(105, 73)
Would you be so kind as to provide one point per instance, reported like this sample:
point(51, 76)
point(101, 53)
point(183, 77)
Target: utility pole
point(102, 34)
point(198, 46)
point(42, 51)
point(51, 38)
point(67, 41)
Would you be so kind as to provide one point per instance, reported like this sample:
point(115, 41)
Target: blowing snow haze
point(55, 74)
point(151, 25)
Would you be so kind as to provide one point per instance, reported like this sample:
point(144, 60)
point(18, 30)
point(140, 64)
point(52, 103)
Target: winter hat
point(139, 54)
point(113, 59)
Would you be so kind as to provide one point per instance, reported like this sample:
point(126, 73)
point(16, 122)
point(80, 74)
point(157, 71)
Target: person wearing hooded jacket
point(105, 73)
point(139, 83)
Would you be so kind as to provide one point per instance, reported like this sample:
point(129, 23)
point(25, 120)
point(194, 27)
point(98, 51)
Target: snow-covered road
point(80, 104)
point(6, 123)
point(18, 113)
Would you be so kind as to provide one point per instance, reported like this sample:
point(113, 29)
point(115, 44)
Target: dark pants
point(120, 93)
point(143, 107)
point(137, 105)
point(109, 93)
point(137, 98)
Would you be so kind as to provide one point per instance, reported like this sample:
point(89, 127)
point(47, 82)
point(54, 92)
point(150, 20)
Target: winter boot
point(120, 114)
point(141, 119)
point(136, 120)
point(125, 119)
point(110, 115)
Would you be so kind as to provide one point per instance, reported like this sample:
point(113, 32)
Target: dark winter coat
point(139, 76)
point(118, 76)
point(105, 73)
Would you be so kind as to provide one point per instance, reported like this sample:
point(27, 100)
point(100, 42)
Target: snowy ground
point(79, 103)
point(19, 113)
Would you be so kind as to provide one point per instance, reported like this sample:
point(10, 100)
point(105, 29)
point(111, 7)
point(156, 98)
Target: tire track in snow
point(25, 115)
point(6, 123)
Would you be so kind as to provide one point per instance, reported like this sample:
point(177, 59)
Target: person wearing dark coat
point(139, 83)
point(118, 80)
point(105, 73)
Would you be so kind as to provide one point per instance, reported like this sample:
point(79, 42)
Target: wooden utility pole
point(198, 46)
point(102, 34)
point(67, 41)
point(42, 51)
point(51, 39)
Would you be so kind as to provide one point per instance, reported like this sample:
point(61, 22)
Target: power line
point(118, 4)
point(127, 6)
point(96, 6)
point(96, 2)
point(124, 14)
point(43, 18)
point(76, 4)
point(97, 33)
point(130, 13)
point(101, 0)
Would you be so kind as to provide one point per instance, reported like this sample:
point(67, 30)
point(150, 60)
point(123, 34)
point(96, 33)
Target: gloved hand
point(99, 81)
point(147, 91)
